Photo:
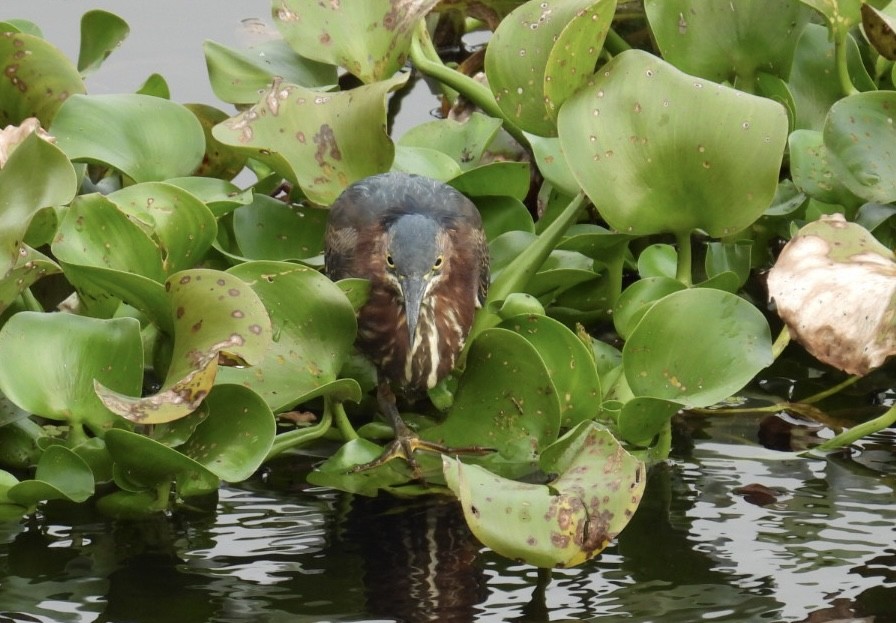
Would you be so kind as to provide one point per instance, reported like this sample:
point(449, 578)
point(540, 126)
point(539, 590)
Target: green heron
point(420, 244)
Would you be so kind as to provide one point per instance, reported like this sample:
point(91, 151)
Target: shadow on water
point(821, 548)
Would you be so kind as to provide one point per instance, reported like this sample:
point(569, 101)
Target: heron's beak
point(412, 288)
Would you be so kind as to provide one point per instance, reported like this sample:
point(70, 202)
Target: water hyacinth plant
point(165, 326)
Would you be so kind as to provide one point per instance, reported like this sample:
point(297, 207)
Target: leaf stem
point(840, 50)
point(515, 277)
point(300, 436)
point(615, 44)
point(781, 342)
point(861, 430)
point(830, 391)
point(684, 270)
point(345, 427)
point(426, 59)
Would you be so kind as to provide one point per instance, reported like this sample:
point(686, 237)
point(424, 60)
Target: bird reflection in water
point(421, 561)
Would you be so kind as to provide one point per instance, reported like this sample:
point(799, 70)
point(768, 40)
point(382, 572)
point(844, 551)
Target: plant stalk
point(857, 432)
point(830, 391)
point(426, 59)
point(300, 436)
point(684, 270)
point(840, 50)
point(781, 342)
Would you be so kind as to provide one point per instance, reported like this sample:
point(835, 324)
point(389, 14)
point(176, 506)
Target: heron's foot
point(405, 446)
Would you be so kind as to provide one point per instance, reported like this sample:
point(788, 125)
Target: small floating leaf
point(61, 475)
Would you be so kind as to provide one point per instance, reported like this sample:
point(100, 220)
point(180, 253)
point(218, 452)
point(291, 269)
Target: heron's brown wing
point(339, 248)
point(484, 277)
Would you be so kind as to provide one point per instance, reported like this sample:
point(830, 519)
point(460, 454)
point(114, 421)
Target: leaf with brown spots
point(565, 522)
point(215, 313)
point(370, 39)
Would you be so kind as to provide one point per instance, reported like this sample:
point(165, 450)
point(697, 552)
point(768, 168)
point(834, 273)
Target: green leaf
point(333, 139)
point(101, 33)
point(37, 175)
point(314, 324)
point(238, 76)
point(214, 313)
point(728, 42)
point(637, 299)
point(38, 78)
point(541, 54)
point(841, 15)
point(697, 347)
point(369, 39)
point(182, 226)
point(142, 463)
point(235, 438)
point(643, 417)
point(146, 138)
point(465, 142)
point(66, 354)
point(61, 475)
point(492, 408)
point(269, 229)
point(859, 134)
point(220, 160)
point(810, 168)
point(564, 523)
point(569, 364)
point(660, 151)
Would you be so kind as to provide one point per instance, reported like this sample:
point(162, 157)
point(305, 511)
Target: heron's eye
point(438, 263)
point(389, 261)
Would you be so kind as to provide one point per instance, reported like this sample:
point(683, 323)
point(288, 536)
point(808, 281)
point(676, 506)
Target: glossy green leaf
point(810, 168)
point(660, 151)
point(642, 417)
point(501, 214)
point(101, 33)
point(637, 298)
point(334, 139)
point(181, 225)
point(492, 408)
point(697, 347)
point(314, 324)
point(727, 42)
point(541, 54)
point(336, 472)
point(235, 438)
point(38, 78)
point(569, 364)
point(859, 134)
point(369, 39)
point(269, 229)
point(146, 138)
point(142, 463)
point(658, 260)
point(564, 523)
point(37, 175)
point(238, 76)
point(30, 267)
point(215, 313)
point(812, 80)
point(465, 142)
point(733, 257)
point(156, 86)
point(66, 354)
point(551, 163)
point(425, 161)
point(512, 178)
point(61, 475)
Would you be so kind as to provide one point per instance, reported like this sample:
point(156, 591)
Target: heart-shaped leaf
point(66, 354)
point(696, 347)
point(660, 151)
point(269, 229)
point(146, 138)
point(315, 327)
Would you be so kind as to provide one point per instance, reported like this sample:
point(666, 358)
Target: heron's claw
point(406, 444)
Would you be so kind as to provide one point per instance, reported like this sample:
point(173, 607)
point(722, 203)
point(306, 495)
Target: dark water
point(822, 548)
